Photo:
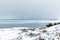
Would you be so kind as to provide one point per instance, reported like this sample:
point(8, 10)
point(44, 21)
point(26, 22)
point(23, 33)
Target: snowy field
point(22, 33)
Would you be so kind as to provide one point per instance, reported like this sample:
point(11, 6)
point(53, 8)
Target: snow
point(22, 33)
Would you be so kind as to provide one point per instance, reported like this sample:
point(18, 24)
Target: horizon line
point(29, 19)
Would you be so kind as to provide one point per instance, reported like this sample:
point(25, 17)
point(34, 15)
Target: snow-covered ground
point(51, 33)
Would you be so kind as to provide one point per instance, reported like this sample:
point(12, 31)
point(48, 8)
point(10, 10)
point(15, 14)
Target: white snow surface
point(50, 33)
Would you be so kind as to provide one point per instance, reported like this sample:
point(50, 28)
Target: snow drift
point(50, 33)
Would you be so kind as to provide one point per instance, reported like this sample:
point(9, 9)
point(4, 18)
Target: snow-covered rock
point(50, 33)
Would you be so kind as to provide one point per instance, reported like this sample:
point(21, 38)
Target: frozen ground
point(51, 33)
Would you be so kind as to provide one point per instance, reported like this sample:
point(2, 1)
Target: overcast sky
point(29, 9)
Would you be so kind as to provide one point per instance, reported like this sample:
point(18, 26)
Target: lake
point(24, 23)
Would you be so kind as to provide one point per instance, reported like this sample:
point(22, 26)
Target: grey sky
point(29, 9)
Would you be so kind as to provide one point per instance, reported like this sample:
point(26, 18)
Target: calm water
point(21, 23)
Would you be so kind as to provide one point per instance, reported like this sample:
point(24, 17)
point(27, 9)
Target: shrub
point(25, 30)
point(49, 25)
point(58, 23)
point(55, 23)
point(31, 35)
point(44, 31)
point(41, 38)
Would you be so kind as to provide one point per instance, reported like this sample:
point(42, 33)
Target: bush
point(49, 25)
point(55, 23)
point(44, 31)
point(25, 30)
point(58, 23)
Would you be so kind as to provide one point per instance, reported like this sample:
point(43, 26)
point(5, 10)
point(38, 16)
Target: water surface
point(23, 23)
